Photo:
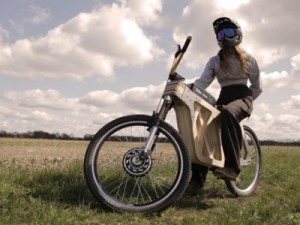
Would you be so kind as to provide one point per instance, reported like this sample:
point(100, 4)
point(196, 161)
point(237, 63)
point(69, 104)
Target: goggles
point(228, 32)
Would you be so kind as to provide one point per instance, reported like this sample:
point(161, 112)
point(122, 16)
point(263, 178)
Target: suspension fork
point(157, 116)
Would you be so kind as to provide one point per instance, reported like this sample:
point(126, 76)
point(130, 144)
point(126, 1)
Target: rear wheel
point(251, 163)
point(119, 177)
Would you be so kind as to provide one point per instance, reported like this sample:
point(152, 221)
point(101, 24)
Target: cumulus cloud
point(89, 44)
point(86, 114)
point(295, 62)
point(265, 35)
point(49, 109)
point(138, 98)
point(292, 103)
point(100, 98)
point(50, 99)
point(287, 119)
point(275, 80)
point(127, 33)
point(145, 12)
point(144, 98)
point(263, 107)
point(278, 127)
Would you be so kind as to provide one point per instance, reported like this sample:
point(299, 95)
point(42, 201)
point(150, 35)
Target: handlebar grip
point(186, 44)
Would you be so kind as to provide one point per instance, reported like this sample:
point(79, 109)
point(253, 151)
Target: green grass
point(59, 195)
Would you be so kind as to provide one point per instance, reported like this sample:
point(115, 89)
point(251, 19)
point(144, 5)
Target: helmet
point(228, 32)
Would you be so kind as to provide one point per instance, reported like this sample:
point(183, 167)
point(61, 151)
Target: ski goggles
point(228, 32)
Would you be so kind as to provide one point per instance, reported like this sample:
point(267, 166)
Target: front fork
point(158, 116)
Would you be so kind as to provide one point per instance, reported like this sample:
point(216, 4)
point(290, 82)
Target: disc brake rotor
point(134, 164)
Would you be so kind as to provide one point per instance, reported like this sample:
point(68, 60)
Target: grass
point(56, 193)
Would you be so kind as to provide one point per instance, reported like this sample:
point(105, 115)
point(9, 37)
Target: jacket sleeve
point(207, 76)
point(255, 79)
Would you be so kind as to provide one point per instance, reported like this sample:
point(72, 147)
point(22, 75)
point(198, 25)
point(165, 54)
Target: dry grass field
point(42, 182)
point(38, 153)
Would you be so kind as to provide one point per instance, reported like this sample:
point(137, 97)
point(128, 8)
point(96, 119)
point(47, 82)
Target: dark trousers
point(231, 114)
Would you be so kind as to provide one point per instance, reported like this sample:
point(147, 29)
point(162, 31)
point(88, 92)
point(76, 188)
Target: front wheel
point(251, 164)
point(120, 178)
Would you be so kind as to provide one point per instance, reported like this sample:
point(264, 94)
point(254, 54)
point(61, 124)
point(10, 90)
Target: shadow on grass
point(67, 186)
point(63, 186)
point(201, 199)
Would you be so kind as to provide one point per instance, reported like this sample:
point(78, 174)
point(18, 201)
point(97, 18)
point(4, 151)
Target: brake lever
point(178, 51)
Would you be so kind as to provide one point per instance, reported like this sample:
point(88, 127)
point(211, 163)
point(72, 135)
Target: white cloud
point(287, 119)
point(145, 12)
point(49, 99)
point(231, 4)
point(41, 115)
point(49, 110)
point(137, 99)
point(127, 33)
point(275, 80)
point(100, 98)
point(195, 21)
point(90, 44)
point(295, 62)
point(292, 103)
point(278, 127)
point(263, 107)
point(266, 56)
point(33, 109)
point(143, 98)
point(268, 38)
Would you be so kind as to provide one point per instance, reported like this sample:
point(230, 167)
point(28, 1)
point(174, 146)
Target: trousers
point(231, 116)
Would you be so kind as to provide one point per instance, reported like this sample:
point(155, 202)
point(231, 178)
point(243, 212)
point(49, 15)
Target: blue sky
point(72, 66)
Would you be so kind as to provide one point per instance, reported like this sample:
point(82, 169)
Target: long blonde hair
point(237, 52)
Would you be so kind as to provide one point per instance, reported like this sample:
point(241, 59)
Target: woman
point(233, 68)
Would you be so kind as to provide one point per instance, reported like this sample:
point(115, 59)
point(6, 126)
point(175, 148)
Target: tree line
point(64, 136)
point(39, 135)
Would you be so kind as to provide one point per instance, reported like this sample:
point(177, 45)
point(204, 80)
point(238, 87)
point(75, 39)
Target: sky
point(73, 66)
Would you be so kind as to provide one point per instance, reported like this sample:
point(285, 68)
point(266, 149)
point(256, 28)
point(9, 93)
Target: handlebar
point(179, 54)
point(186, 44)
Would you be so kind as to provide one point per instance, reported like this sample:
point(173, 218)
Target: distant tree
point(88, 137)
point(65, 136)
point(3, 133)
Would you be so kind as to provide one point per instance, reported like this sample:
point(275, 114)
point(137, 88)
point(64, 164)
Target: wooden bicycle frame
point(198, 123)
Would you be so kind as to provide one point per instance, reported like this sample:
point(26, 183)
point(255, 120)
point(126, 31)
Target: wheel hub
point(134, 164)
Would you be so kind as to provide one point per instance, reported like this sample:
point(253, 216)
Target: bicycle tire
point(124, 184)
point(249, 176)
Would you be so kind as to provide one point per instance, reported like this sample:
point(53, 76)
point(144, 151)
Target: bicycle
point(140, 163)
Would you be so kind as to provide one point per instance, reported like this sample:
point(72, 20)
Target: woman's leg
point(231, 140)
point(231, 115)
point(199, 173)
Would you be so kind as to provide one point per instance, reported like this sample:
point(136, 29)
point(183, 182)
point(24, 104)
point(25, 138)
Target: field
point(41, 182)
